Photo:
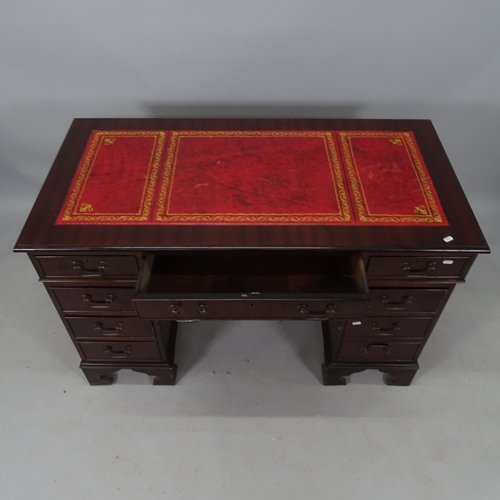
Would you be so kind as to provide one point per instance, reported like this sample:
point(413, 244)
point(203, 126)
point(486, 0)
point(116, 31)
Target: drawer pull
point(430, 266)
point(118, 354)
point(174, 309)
point(394, 328)
point(98, 304)
point(396, 306)
point(304, 310)
point(384, 347)
point(109, 332)
point(89, 273)
point(203, 308)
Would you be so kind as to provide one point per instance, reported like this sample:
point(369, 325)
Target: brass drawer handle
point(384, 347)
point(109, 332)
point(99, 304)
point(304, 310)
point(430, 266)
point(394, 328)
point(118, 354)
point(396, 306)
point(89, 273)
point(203, 308)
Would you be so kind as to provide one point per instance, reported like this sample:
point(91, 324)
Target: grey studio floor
point(248, 417)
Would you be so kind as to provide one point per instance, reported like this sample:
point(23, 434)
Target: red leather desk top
point(252, 177)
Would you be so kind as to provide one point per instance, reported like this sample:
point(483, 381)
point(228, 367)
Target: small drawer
point(416, 267)
point(378, 351)
point(406, 300)
point(255, 308)
point(111, 327)
point(94, 299)
point(88, 266)
point(384, 327)
point(121, 351)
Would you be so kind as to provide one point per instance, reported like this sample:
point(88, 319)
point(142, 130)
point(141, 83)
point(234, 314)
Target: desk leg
point(99, 374)
point(336, 374)
point(399, 374)
point(396, 374)
point(164, 375)
point(105, 374)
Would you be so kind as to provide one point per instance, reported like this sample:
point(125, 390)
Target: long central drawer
point(252, 286)
point(259, 308)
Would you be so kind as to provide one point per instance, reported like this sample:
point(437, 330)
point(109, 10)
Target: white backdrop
point(437, 59)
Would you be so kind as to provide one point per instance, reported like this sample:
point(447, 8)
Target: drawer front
point(94, 299)
point(249, 309)
point(109, 328)
point(88, 266)
point(378, 351)
point(385, 327)
point(406, 300)
point(121, 351)
point(416, 267)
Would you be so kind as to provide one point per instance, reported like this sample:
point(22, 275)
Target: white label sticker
point(356, 323)
point(447, 262)
point(448, 239)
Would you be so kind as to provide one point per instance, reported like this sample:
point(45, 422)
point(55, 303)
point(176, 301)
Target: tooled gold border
point(86, 166)
point(357, 186)
point(163, 206)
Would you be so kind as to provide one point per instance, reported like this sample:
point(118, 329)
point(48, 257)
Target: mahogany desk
point(143, 224)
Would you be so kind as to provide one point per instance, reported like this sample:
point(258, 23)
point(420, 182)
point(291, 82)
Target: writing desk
point(143, 224)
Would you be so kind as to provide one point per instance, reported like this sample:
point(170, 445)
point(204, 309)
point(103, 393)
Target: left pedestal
point(93, 295)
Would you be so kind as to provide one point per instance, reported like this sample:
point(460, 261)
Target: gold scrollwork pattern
point(85, 212)
point(422, 214)
point(86, 207)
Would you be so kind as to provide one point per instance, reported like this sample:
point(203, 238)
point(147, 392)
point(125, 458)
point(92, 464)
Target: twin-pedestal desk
point(143, 224)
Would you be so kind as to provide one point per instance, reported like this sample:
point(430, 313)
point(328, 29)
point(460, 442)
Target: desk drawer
point(252, 285)
point(406, 300)
point(94, 299)
point(386, 327)
point(88, 266)
point(378, 351)
point(416, 267)
point(121, 351)
point(111, 327)
point(196, 309)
